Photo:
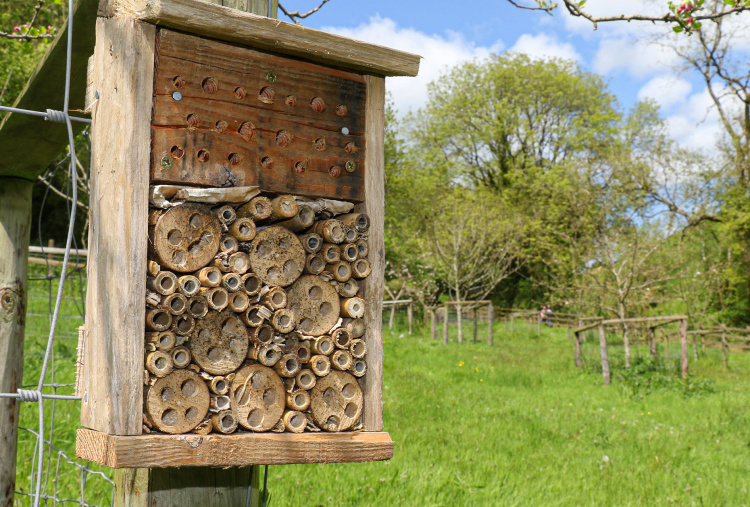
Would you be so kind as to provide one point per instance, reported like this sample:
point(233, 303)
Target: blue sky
point(629, 56)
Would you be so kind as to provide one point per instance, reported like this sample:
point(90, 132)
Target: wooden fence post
point(626, 344)
point(695, 348)
point(666, 344)
point(605, 358)
point(651, 342)
point(684, 347)
point(578, 348)
point(724, 347)
point(445, 324)
point(491, 322)
point(410, 316)
point(476, 325)
point(539, 326)
point(531, 324)
point(433, 323)
point(15, 227)
point(511, 323)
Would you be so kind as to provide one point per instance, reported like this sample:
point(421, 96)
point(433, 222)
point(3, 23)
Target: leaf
point(581, 3)
point(677, 29)
point(729, 2)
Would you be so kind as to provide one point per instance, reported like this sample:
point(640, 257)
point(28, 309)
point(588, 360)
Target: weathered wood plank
point(36, 141)
point(113, 364)
point(222, 23)
point(15, 227)
point(374, 206)
point(240, 449)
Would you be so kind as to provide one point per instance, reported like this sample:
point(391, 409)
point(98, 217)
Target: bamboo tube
point(314, 264)
point(331, 253)
point(197, 307)
point(353, 308)
point(283, 320)
point(348, 289)
point(262, 335)
point(259, 208)
point(359, 221)
point(153, 216)
point(322, 345)
point(269, 355)
point(228, 244)
point(294, 421)
point(231, 282)
point(283, 207)
point(219, 402)
point(204, 427)
point(239, 262)
point(226, 215)
point(361, 268)
point(183, 325)
point(359, 368)
point(303, 351)
point(224, 422)
point(243, 229)
point(349, 252)
point(159, 363)
point(275, 298)
point(164, 341)
point(217, 298)
point(332, 230)
point(158, 320)
point(357, 348)
point(219, 385)
point(209, 277)
point(181, 357)
point(311, 242)
point(251, 284)
point(189, 285)
point(288, 341)
point(350, 234)
point(164, 283)
point(221, 263)
point(341, 271)
point(320, 365)
point(363, 248)
point(341, 360)
point(288, 366)
point(176, 303)
point(299, 399)
point(256, 315)
point(238, 302)
point(341, 338)
point(303, 220)
point(356, 327)
point(153, 268)
point(306, 379)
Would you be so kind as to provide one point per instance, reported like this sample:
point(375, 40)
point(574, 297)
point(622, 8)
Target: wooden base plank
point(241, 449)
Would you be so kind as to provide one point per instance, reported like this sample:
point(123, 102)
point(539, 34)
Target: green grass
point(515, 424)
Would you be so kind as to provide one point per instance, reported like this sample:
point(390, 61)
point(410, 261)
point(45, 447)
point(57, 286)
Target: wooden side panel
point(113, 363)
point(226, 115)
point(374, 205)
point(239, 449)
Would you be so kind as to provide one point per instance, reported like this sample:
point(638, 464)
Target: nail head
point(176, 95)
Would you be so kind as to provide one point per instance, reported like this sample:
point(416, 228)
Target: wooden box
point(182, 100)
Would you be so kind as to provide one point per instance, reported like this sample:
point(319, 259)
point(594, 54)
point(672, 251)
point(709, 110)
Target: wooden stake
point(684, 347)
point(578, 349)
point(724, 347)
point(445, 324)
point(15, 226)
point(410, 316)
point(476, 325)
point(491, 323)
point(626, 345)
point(433, 323)
point(605, 358)
point(651, 342)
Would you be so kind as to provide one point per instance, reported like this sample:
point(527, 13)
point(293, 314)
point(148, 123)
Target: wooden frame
point(111, 377)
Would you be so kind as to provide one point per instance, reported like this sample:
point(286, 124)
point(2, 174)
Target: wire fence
point(46, 477)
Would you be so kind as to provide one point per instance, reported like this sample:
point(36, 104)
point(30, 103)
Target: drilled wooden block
point(226, 116)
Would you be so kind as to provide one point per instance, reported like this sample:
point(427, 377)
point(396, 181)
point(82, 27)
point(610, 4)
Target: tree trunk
point(15, 227)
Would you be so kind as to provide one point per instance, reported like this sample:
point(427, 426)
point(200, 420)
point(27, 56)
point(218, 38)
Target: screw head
point(166, 162)
point(176, 95)
point(351, 166)
point(271, 76)
point(345, 131)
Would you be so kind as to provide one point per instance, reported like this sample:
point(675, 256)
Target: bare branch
point(296, 16)
point(540, 7)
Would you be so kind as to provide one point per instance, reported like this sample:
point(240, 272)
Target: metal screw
point(271, 76)
point(345, 131)
point(351, 166)
point(166, 162)
point(177, 95)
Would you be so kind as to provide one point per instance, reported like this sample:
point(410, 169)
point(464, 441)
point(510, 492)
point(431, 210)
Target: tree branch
point(296, 16)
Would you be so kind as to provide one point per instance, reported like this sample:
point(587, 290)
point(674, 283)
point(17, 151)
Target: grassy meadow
point(513, 424)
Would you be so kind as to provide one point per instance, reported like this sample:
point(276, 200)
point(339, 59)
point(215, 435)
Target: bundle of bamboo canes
point(254, 317)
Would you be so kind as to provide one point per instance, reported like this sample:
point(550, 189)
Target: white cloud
point(439, 53)
point(666, 91)
point(545, 46)
point(601, 8)
point(638, 58)
point(696, 122)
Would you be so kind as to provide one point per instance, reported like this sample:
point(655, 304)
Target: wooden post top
point(222, 23)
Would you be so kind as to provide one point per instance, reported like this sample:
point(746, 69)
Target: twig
point(294, 16)
point(5, 86)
